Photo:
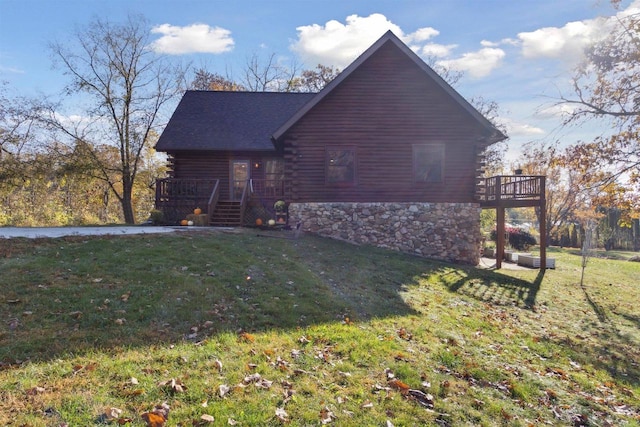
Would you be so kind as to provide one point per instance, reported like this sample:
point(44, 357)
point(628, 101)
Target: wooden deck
point(514, 191)
point(511, 191)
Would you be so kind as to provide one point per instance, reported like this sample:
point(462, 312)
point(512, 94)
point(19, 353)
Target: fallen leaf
point(404, 334)
point(207, 418)
point(125, 297)
point(153, 419)
point(399, 385)
point(326, 416)
point(112, 413)
point(282, 415)
point(422, 398)
point(218, 365)
point(35, 390)
point(158, 416)
point(231, 422)
point(247, 337)
point(265, 384)
point(223, 389)
point(120, 321)
point(303, 340)
point(175, 386)
point(367, 404)
point(252, 378)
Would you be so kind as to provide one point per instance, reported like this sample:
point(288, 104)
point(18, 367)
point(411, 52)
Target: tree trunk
point(127, 206)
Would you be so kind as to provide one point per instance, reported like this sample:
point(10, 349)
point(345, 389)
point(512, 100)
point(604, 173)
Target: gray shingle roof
point(211, 120)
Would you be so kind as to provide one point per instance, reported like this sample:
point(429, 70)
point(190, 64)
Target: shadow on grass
point(494, 287)
point(602, 347)
point(77, 294)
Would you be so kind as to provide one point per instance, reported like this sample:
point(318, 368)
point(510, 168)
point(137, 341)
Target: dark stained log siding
point(383, 108)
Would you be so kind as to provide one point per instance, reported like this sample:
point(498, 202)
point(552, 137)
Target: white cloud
point(566, 42)
point(421, 35)
point(556, 111)
point(569, 41)
point(195, 38)
point(12, 70)
point(437, 50)
point(339, 44)
point(476, 64)
point(519, 129)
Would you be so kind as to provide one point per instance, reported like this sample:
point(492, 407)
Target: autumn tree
point(124, 87)
point(314, 80)
point(606, 87)
point(566, 190)
point(205, 80)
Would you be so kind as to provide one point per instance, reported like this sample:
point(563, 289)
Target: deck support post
point(543, 225)
point(500, 230)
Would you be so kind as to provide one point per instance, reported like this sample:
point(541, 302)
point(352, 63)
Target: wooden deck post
point(543, 224)
point(500, 229)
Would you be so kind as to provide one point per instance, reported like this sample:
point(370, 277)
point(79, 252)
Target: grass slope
point(253, 330)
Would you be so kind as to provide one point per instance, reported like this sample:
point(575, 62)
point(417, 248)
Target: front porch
point(224, 202)
point(514, 191)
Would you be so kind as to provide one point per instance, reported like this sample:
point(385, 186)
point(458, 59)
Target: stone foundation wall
point(444, 231)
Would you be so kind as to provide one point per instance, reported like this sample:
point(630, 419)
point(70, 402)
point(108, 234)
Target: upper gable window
point(428, 163)
point(341, 165)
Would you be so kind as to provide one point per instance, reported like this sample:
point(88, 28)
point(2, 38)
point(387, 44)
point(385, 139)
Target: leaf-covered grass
point(258, 330)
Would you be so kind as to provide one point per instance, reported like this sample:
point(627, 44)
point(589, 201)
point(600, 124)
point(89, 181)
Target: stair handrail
point(213, 200)
point(243, 201)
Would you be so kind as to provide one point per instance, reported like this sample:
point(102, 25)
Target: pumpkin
point(259, 222)
point(184, 222)
point(189, 222)
point(197, 211)
point(272, 222)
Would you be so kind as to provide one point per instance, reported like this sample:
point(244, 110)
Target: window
point(428, 162)
point(341, 165)
point(274, 170)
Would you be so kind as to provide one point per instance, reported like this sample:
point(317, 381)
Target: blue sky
point(519, 53)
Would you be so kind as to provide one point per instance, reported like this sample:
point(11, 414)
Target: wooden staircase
point(228, 213)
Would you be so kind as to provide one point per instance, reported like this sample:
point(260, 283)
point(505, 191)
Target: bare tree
point(125, 87)
point(268, 75)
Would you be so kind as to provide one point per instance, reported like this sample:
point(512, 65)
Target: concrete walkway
point(490, 264)
point(36, 232)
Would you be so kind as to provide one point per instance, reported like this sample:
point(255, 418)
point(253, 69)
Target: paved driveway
point(34, 232)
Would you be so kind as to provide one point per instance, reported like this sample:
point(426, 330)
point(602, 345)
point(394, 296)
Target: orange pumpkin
point(184, 222)
point(197, 211)
point(259, 222)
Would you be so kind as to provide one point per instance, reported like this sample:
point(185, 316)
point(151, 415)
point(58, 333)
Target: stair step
point(226, 214)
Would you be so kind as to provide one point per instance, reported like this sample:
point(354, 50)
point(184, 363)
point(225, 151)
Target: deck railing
point(178, 197)
point(504, 188)
point(213, 201)
point(268, 188)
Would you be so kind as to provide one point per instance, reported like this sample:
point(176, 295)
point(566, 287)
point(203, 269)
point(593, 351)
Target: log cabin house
point(386, 154)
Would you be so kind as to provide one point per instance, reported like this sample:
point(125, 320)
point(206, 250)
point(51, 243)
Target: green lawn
point(253, 328)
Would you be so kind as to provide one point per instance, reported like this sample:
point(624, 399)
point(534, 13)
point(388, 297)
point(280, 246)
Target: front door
point(239, 177)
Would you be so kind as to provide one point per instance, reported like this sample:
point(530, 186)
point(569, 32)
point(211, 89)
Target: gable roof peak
point(493, 134)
